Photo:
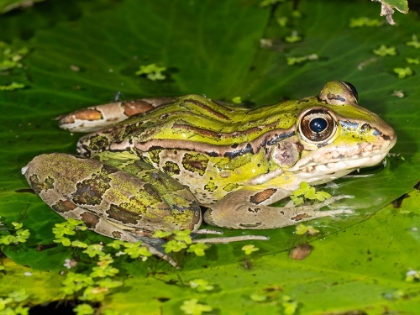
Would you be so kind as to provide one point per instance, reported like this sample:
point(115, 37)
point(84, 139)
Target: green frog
point(151, 164)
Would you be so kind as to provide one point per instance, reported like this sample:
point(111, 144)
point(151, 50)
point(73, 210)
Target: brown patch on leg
point(262, 196)
point(300, 217)
point(88, 114)
point(63, 206)
point(90, 219)
point(91, 191)
point(122, 215)
point(135, 107)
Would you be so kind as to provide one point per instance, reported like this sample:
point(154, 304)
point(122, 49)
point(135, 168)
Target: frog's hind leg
point(116, 202)
point(95, 118)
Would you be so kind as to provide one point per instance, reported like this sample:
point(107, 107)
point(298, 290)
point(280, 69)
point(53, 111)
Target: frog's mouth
point(320, 173)
point(331, 162)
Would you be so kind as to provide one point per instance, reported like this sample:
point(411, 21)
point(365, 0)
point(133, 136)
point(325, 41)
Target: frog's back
point(213, 148)
point(189, 121)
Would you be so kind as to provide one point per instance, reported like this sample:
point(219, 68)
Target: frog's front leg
point(98, 117)
point(248, 209)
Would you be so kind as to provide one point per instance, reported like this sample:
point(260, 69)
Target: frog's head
point(336, 136)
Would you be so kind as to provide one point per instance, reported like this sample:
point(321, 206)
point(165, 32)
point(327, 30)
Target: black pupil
point(318, 125)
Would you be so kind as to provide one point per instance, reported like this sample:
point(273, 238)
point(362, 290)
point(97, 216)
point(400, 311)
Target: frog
point(153, 164)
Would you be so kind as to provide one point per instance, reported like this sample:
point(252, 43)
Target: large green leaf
point(83, 53)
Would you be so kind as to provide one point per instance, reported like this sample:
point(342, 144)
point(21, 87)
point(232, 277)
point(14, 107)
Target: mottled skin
point(235, 162)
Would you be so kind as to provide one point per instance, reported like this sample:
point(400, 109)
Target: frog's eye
point(317, 125)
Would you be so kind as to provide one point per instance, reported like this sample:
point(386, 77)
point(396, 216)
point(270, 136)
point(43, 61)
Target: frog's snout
point(385, 135)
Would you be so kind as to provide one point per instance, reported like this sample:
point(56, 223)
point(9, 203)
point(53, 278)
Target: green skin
point(235, 162)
